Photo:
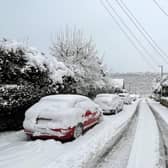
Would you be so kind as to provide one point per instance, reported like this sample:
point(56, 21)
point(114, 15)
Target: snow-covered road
point(118, 156)
point(139, 146)
point(17, 152)
point(146, 146)
point(134, 138)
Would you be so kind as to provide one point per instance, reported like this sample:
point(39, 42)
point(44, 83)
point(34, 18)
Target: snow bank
point(82, 152)
point(37, 59)
point(145, 149)
point(161, 114)
point(164, 81)
point(161, 110)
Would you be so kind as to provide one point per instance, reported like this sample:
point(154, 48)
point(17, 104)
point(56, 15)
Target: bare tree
point(80, 55)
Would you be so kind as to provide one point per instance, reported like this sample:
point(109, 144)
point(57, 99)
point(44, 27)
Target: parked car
point(110, 103)
point(126, 98)
point(61, 117)
point(133, 97)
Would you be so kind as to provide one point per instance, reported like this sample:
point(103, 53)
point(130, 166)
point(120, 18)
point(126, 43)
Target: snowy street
point(140, 146)
point(83, 152)
point(84, 84)
point(145, 150)
point(130, 139)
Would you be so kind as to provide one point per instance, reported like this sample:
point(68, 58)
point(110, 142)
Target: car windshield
point(103, 99)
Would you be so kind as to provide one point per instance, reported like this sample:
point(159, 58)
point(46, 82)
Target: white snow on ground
point(161, 114)
point(16, 152)
point(37, 59)
point(119, 155)
point(162, 110)
point(145, 150)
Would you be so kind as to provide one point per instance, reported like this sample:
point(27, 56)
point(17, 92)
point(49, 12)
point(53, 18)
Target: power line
point(158, 5)
point(142, 30)
point(128, 37)
point(150, 37)
point(131, 32)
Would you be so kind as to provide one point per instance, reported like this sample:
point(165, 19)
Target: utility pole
point(161, 77)
point(161, 71)
point(129, 87)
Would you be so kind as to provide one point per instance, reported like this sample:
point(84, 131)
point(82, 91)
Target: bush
point(26, 75)
point(164, 101)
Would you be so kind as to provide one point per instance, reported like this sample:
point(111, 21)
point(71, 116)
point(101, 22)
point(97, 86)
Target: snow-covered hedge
point(14, 101)
point(164, 101)
point(26, 75)
point(20, 61)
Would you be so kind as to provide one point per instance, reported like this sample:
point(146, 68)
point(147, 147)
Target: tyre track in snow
point(117, 155)
point(146, 148)
point(127, 152)
point(163, 128)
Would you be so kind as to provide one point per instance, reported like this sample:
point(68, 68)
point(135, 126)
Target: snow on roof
point(118, 83)
point(37, 59)
point(164, 81)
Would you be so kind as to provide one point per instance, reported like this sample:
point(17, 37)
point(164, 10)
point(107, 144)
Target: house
point(164, 86)
point(119, 85)
point(161, 91)
point(161, 87)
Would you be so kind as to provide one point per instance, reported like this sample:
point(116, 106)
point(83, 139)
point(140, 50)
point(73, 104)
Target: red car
point(61, 117)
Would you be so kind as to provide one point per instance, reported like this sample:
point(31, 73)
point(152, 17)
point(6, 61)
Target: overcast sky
point(38, 21)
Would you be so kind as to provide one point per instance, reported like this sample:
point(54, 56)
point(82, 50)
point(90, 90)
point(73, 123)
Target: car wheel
point(78, 131)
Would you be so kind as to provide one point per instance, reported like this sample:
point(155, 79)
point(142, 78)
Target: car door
point(92, 114)
point(82, 105)
point(88, 115)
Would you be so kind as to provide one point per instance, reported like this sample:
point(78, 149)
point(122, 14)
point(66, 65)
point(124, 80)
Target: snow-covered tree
point(26, 75)
point(80, 56)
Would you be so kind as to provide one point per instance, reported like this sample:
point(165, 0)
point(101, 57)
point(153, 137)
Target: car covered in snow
point(61, 117)
point(110, 103)
point(126, 98)
point(133, 97)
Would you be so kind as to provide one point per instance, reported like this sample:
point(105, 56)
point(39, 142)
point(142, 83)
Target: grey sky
point(38, 21)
